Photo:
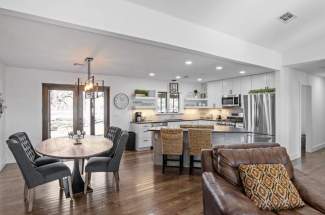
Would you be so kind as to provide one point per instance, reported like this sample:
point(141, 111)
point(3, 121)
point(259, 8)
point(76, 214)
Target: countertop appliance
point(138, 117)
point(259, 113)
point(231, 100)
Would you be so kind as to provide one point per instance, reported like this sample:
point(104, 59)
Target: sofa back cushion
point(238, 146)
point(230, 159)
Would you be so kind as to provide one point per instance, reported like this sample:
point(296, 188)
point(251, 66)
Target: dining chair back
point(107, 164)
point(34, 175)
point(113, 134)
point(23, 139)
point(36, 159)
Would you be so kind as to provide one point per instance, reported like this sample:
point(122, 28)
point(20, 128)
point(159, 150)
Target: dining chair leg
point(30, 199)
point(86, 182)
point(117, 180)
point(70, 188)
point(61, 184)
point(25, 192)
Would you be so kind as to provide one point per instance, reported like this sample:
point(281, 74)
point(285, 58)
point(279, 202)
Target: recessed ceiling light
point(219, 68)
point(242, 72)
point(178, 77)
point(188, 62)
point(151, 74)
point(199, 79)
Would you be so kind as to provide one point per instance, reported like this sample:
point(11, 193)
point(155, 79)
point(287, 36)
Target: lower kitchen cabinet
point(143, 136)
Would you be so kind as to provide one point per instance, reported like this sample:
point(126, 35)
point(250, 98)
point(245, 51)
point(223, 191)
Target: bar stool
point(172, 144)
point(198, 139)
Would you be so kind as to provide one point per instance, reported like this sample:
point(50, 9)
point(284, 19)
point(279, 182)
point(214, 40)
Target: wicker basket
point(199, 139)
point(171, 141)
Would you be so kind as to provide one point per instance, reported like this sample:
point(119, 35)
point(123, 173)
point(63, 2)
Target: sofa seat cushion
point(301, 211)
point(230, 159)
point(270, 187)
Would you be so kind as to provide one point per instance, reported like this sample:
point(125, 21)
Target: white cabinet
point(258, 81)
point(236, 86)
point(174, 124)
point(270, 80)
point(227, 86)
point(245, 85)
point(215, 92)
point(143, 136)
point(206, 122)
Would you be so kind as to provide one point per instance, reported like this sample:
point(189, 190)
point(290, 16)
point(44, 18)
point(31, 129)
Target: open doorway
point(306, 118)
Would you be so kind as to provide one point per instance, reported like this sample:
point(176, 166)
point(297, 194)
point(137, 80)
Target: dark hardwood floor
point(143, 190)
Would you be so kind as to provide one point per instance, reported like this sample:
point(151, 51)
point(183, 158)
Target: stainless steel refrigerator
point(259, 116)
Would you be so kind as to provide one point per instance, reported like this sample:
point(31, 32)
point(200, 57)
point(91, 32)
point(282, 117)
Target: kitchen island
point(221, 135)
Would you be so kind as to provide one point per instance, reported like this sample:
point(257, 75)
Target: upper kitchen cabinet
point(258, 81)
point(270, 80)
point(245, 85)
point(236, 86)
point(214, 93)
point(227, 86)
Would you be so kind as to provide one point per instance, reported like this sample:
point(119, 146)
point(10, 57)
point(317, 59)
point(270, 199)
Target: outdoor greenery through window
point(173, 103)
point(65, 111)
point(162, 102)
point(168, 103)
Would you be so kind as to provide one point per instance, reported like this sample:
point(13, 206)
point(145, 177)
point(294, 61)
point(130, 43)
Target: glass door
point(94, 114)
point(65, 111)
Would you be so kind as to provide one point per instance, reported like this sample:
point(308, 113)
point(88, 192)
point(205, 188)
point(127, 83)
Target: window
point(173, 103)
point(65, 111)
point(162, 102)
point(168, 103)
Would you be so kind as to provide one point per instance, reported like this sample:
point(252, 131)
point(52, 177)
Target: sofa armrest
point(311, 190)
point(206, 160)
point(222, 198)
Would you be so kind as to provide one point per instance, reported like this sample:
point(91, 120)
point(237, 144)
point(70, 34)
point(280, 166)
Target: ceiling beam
point(129, 19)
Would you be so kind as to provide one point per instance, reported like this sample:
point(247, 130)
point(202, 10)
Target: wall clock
point(121, 101)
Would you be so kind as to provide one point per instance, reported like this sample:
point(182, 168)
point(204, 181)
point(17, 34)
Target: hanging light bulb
point(90, 87)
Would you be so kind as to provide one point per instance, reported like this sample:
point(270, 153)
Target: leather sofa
point(224, 194)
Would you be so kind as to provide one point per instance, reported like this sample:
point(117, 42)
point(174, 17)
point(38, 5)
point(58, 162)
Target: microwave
point(231, 101)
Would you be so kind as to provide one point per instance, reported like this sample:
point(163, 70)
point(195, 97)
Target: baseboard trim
point(294, 157)
point(317, 147)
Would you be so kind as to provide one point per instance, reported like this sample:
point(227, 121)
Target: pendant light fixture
point(91, 87)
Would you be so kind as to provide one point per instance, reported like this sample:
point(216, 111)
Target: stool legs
point(191, 164)
point(165, 160)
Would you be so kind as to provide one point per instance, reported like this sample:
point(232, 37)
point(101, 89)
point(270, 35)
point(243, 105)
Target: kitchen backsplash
point(151, 115)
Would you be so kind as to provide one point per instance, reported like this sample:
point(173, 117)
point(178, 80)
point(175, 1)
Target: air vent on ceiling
point(287, 17)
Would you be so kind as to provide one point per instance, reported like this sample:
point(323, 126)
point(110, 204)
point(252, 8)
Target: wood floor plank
point(143, 190)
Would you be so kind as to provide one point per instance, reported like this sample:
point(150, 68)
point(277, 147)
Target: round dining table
point(69, 148)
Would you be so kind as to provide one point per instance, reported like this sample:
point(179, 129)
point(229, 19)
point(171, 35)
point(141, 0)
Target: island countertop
point(217, 129)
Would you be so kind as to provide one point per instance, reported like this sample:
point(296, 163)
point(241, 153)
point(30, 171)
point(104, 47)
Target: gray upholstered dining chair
point(37, 175)
point(107, 164)
point(113, 133)
point(36, 159)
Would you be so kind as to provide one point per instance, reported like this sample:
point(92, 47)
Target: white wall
point(2, 119)
point(126, 18)
point(288, 120)
point(24, 93)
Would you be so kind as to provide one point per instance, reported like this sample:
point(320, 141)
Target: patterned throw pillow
point(269, 186)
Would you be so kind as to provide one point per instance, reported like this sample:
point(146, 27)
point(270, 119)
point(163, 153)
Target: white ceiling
point(33, 44)
point(315, 67)
point(252, 20)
